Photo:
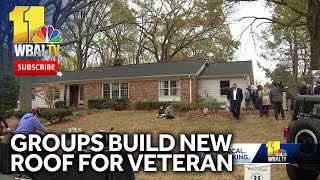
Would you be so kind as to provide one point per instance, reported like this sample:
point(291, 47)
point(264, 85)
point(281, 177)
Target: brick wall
point(146, 90)
point(143, 91)
point(185, 89)
point(91, 91)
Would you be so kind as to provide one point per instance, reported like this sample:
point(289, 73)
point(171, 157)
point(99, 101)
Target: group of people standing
point(261, 98)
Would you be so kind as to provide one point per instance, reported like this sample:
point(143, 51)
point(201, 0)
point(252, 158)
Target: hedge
point(59, 104)
point(12, 113)
point(51, 114)
point(114, 104)
point(54, 114)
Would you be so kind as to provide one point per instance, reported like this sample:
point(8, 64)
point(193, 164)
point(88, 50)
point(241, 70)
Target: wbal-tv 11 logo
point(33, 39)
point(275, 153)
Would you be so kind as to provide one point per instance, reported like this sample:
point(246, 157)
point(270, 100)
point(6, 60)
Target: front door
point(74, 95)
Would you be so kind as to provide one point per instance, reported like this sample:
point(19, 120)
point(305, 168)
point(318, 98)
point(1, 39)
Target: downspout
point(65, 95)
point(190, 89)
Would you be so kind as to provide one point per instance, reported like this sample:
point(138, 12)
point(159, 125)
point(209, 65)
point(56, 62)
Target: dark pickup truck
point(304, 129)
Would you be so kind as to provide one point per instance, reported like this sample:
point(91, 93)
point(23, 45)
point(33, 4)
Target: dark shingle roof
point(228, 68)
point(187, 67)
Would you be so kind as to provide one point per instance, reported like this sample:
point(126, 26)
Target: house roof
point(228, 68)
point(172, 68)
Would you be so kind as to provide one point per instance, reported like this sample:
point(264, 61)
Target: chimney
point(118, 62)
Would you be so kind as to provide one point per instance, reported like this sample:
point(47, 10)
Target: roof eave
point(217, 76)
point(119, 79)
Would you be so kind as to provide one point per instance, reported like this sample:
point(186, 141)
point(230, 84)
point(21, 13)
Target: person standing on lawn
point(236, 97)
point(259, 100)
point(168, 112)
point(288, 98)
point(276, 94)
point(317, 88)
point(254, 98)
point(247, 98)
point(266, 103)
point(303, 88)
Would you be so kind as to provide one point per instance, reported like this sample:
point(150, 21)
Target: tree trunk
point(25, 94)
point(295, 61)
point(315, 52)
point(313, 24)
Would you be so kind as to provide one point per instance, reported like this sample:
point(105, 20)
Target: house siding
point(91, 91)
point(211, 87)
point(38, 101)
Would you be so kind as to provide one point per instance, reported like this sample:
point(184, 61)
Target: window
point(106, 91)
point(115, 91)
point(124, 91)
point(224, 87)
point(81, 93)
point(33, 93)
point(169, 88)
point(55, 93)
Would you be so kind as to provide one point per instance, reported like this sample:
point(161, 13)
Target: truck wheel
point(296, 173)
point(305, 131)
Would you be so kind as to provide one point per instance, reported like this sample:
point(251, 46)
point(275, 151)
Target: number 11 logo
point(26, 20)
point(273, 148)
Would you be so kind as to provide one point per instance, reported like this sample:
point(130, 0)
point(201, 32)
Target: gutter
point(232, 75)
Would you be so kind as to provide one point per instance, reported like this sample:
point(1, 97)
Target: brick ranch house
point(166, 81)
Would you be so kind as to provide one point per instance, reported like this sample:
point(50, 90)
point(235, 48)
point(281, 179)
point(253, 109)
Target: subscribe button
point(28, 68)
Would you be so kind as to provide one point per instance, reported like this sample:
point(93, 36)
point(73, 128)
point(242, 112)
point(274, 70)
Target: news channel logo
point(29, 31)
point(275, 153)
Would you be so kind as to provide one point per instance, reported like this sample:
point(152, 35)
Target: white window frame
point(110, 89)
point(169, 97)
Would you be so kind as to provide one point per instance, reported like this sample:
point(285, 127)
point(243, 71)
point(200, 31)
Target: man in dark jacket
point(317, 88)
point(5, 124)
point(303, 88)
point(235, 97)
point(276, 94)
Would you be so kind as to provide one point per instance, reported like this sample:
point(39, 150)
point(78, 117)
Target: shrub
point(9, 91)
point(12, 113)
point(211, 103)
point(183, 106)
point(55, 114)
point(59, 104)
point(114, 104)
point(149, 105)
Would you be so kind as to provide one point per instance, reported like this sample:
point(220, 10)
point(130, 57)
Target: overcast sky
point(248, 50)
